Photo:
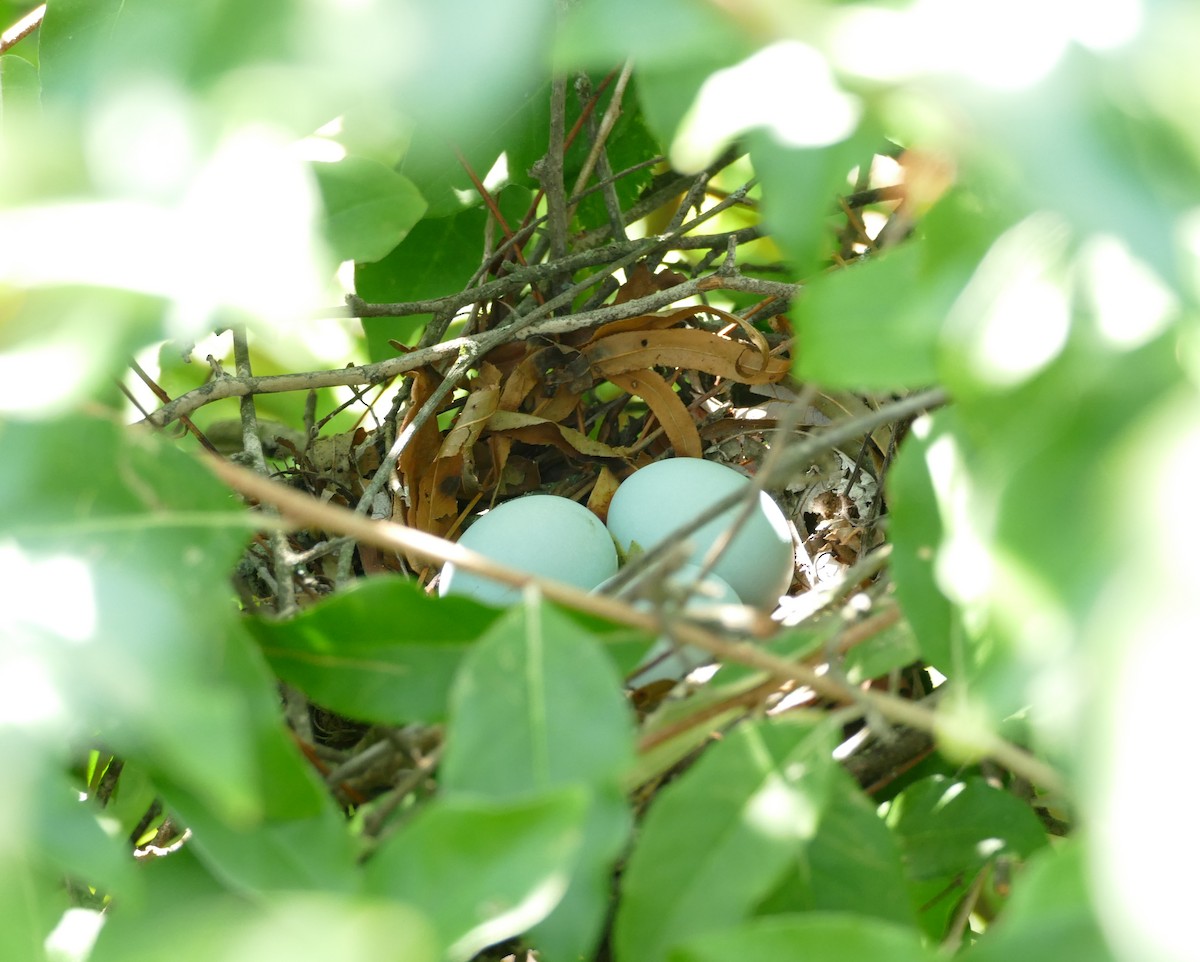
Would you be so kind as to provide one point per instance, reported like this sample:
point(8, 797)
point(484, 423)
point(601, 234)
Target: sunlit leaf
point(369, 207)
point(716, 840)
point(1050, 915)
point(948, 828)
point(483, 871)
point(889, 650)
point(436, 259)
point(281, 928)
point(918, 534)
point(816, 937)
point(871, 325)
point(538, 705)
point(800, 190)
point(121, 572)
point(852, 864)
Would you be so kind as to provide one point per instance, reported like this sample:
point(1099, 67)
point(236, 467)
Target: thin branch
point(285, 586)
point(517, 280)
point(550, 172)
point(305, 510)
point(597, 158)
point(436, 354)
point(22, 28)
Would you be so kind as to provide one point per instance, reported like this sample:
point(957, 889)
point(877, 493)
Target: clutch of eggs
point(560, 539)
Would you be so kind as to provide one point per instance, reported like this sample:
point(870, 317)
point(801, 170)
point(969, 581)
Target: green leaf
point(125, 604)
point(1049, 916)
point(808, 938)
point(917, 534)
point(68, 836)
point(574, 926)
point(852, 864)
point(800, 187)
point(436, 259)
point(537, 704)
point(85, 46)
point(379, 651)
point(441, 168)
point(369, 208)
point(34, 901)
point(88, 331)
point(950, 828)
point(483, 871)
point(298, 854)
point(890, 649)
point(599, 32)
point(717, 839)
point(282, 928)
point(1092, 137)
point(871, 325)
point(20, 89)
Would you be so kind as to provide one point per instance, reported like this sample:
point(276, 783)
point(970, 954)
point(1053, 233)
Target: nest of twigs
point(577, 360)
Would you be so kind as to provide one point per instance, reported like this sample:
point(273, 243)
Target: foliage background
point(152, 190)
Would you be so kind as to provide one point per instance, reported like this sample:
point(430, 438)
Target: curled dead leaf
point(676, 422)
point(686, 349)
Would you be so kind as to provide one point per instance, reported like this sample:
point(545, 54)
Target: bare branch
point(306, 510)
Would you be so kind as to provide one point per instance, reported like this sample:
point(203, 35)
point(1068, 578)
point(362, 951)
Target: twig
point(285, 586)
point(158, 391)
point(550, 171)
point(597, 158)
point(22, 28)
point(518, 279)
point(380, 371)
point(306, 510)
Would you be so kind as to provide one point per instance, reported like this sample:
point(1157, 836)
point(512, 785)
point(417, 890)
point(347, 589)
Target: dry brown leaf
point(671, 412)
point(686, 349)
point(536, 430)
point(517, 386)
point(602, 493)
point(642, 322)
point(420, 454)
point(641, 283)
point(480, 404)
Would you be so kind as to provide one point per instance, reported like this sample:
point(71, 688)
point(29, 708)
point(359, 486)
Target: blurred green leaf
point(537, 704)
point(1071, 118)
point(125, 598)
point(719, 837)
point(88, 332)
point(602, 32)
point(949, 828)
point(441, 167)
point(1050, 915)
point(282, 928)
point(482, 870)
point(890, 649)
point(68, 834)
point(299, 854)
point(871, 325)
point(20, 89)
point(800, 189)
point(808, 938)
point(917, 535)
point(35, 901)
point(852, 864)
point(369, 208)
point(381, 650)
